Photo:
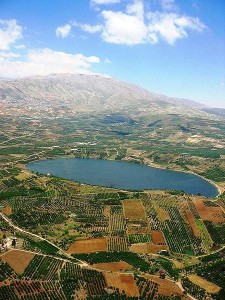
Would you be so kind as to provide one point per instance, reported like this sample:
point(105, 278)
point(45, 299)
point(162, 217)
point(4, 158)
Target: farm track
point(35, 235)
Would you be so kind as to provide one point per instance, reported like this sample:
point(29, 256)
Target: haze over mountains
point(79, 93)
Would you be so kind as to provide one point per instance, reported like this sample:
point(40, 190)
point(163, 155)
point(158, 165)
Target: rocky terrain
point(79, 93)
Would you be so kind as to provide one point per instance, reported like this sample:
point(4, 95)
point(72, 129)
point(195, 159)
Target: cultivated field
point(134, 210)
point(191, 221)
point(157, 237)
point(124, 282)
point(120, 266)
point(209, 213)
point(147, 248)
point(205, 284)
point(89, 245)
point(7, 210)
point(166, 287)
point(18, 260)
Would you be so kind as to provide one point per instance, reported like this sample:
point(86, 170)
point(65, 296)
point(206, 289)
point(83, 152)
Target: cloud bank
point(136, 25)
point(45, 61)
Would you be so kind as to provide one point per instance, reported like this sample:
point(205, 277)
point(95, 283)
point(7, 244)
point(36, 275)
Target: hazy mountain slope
point(88, 93)
point(215, 111)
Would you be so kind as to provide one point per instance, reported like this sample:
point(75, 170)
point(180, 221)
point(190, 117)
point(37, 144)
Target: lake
point(123, 175)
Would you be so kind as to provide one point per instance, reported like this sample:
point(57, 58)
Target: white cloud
point(171, 26)
point(121, 28)
point(10, 32)
point(134, 26)
point(8, 55)
point(90, 28)
point(125, 28)
point(46, 61)
point(169, 5)
point(136, 8)
point(63, 31)
point(105, 1)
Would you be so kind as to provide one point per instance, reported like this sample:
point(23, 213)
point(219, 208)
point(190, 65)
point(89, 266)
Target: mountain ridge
point(89, 93)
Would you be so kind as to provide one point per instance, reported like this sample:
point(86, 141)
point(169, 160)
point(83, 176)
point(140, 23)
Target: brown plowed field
point(7, 210)
point(162, 214)
point(157, 237)
point(147, 248)
point(136, 229)
point(18, 260)
point(204, 284)
point(166, 287)
point(88, 246)
point(124, 282)
point(191, 221)
point(209, 213)
point(134, 210)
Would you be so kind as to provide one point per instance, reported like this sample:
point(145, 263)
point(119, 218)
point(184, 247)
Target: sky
point(171, 47)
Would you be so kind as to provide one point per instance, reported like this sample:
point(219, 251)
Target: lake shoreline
point(151, 164)
point(129, 183)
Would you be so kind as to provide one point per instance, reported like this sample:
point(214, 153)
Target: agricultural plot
point(213, 272)
point(43, 267)
point(39, 246)
point(147, 248)
point(117, 224)
point(209, 213)
point(157, 237)
point(132, 259)
point(117, 244)
point(89, 245)
point(191, 220)
point(6, 271)
point(120, 266)
point(210, 287)
point(134, 210)
point(210, 269)
point(165, 287)
point(7, 210)
point(162, 213)
point(148, 289)
point(180, 231)
point(139, 238)
point(123, 282)
point(33, 218)
point(8, 292)
point(216, 231)
point(49, 278)
point(198, 292)
point(18, 260)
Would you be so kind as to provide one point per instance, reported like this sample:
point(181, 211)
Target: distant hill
point(79, 93)
point(215, 111)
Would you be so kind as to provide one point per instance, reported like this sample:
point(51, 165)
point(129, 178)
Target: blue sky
point(172, 47)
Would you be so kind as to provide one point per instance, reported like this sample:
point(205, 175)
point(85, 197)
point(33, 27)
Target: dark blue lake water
point(123, 175)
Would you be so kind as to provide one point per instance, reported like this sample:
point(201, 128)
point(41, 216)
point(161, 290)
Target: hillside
point(78, 93)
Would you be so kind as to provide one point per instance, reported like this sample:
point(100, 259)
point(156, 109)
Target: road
point(31, 234)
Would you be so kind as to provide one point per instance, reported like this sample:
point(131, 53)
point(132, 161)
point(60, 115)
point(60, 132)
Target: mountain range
point(79, 93)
